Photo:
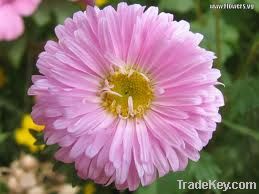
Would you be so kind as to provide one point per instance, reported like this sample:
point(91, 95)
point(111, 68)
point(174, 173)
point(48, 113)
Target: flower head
point(127, 94)
point(11, 27)
point(23, 136)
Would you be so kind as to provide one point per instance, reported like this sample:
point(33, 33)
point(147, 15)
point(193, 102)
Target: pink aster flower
point(11, 12)
point(127, 94)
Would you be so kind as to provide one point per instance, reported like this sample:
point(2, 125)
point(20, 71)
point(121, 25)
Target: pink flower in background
point(127, 94)
point(11, 13)
point(87, 2)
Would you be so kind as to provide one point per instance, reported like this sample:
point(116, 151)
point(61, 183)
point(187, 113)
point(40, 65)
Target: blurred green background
point(232, 154)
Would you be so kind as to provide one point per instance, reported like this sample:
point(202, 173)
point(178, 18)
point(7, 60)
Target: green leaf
point(176, 5)
point(153, 188)
point(39, 142)
point(38, 135)
point(205, 169)
point(50, 149)
point(34, 133)
point(170, 185)
point(3, 137)
point(225, 77)
point(242, 97)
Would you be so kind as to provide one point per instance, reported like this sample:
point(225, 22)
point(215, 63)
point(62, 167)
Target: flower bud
point(13, 185)
point(28, 162)
point(36, 190)
point(18, 172)
point(28, 180)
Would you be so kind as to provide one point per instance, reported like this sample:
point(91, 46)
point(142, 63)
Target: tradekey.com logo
point(215, 185)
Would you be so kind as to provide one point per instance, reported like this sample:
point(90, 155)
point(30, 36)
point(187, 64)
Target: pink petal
point(25, 7)
point(11, 25)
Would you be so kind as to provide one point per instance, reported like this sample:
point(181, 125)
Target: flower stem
point(217, 35)
point(198, 10)
point(242, 129)
point(244, 68)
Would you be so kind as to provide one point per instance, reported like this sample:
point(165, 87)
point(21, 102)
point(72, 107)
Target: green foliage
point(231, 155)
point(248, 91)
point(42, 16)
point(206, 169)
point(38, 136)
point(69, 170)
point(153, 188)
point(16, 51)
point(242, 129)
point(3, 137)
point(3, 188)
point(60, 11)
point(229, 38)
point(176, 5)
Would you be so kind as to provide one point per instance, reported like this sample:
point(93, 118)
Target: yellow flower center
point(127, 93)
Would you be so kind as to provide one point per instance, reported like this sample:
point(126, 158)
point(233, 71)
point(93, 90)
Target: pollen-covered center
point(127, 93)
